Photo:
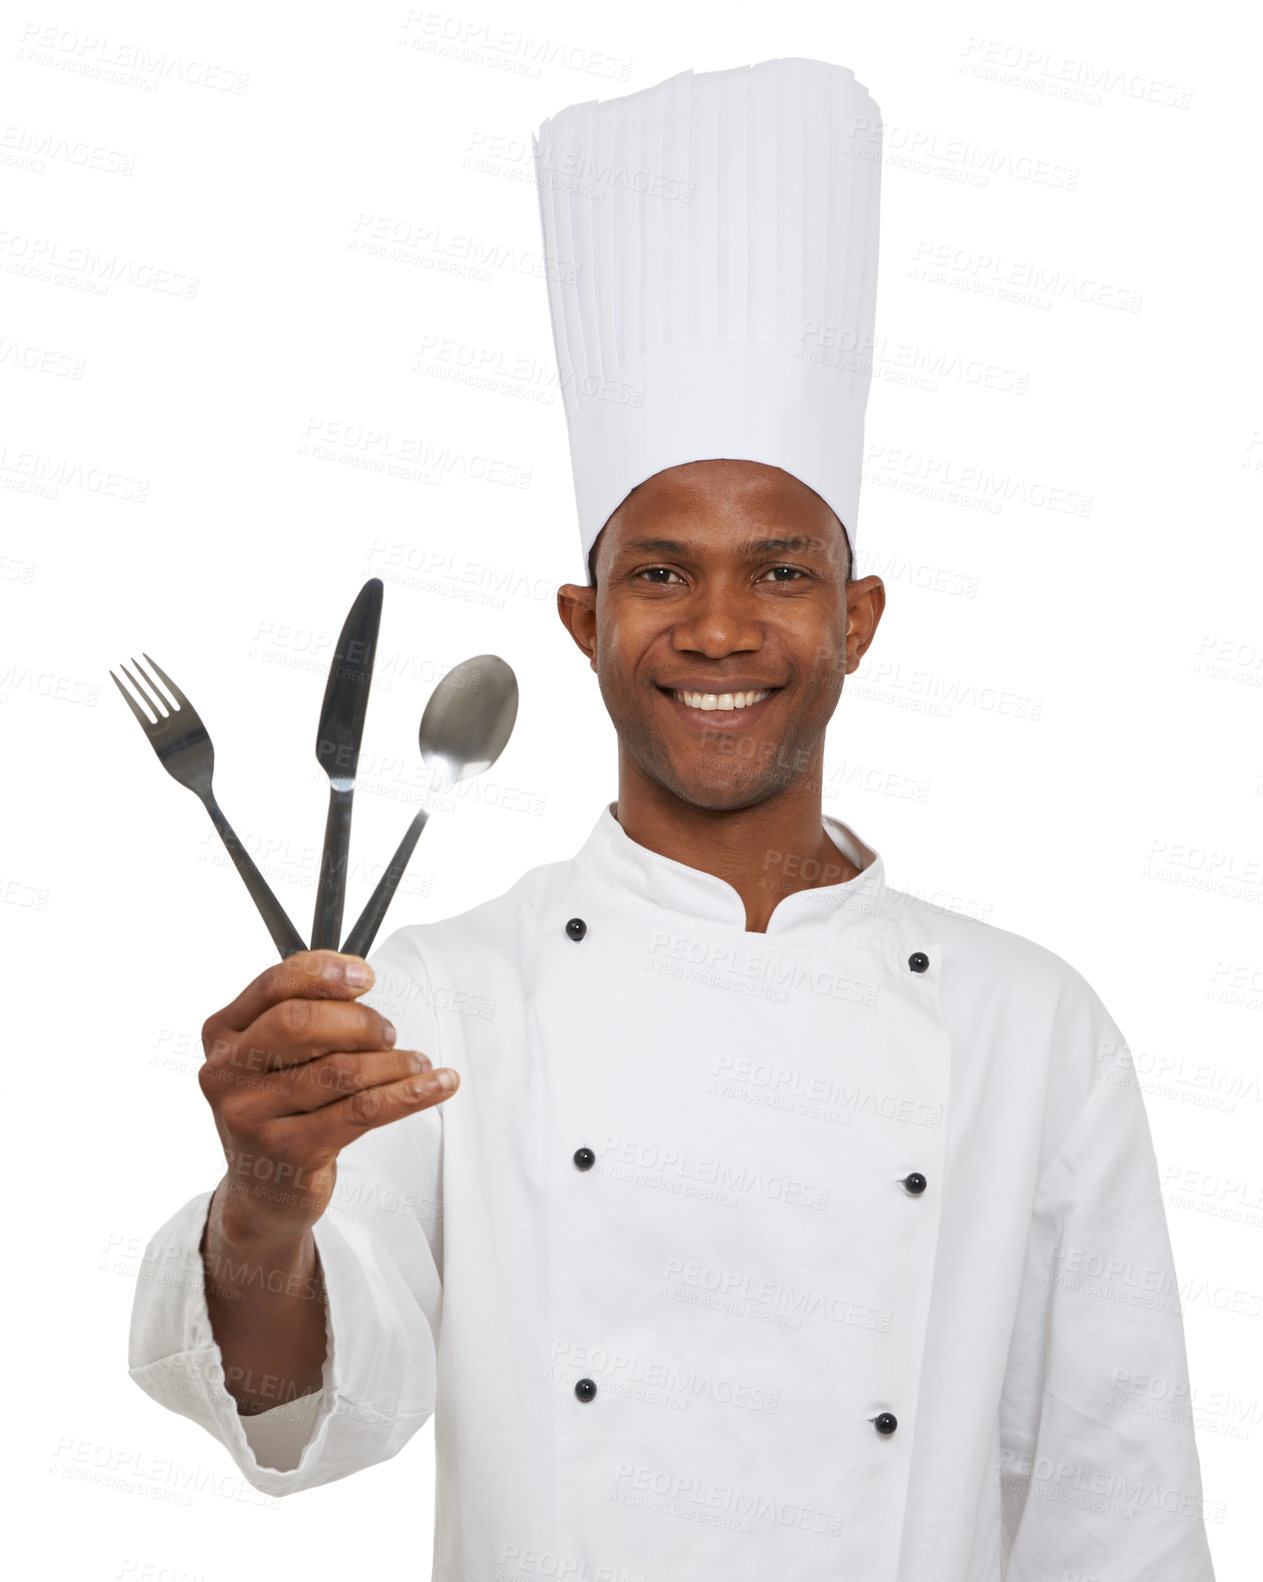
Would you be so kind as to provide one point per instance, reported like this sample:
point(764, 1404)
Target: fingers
point(327, 1131)
point(295, 1070)
point(307, 974)
point(335, 1077)
point(304, 1007)
point(293, 1032)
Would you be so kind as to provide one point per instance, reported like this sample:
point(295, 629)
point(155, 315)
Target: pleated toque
point(712, 244)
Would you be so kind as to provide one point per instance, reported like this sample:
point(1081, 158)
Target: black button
point(915, 1182)
point(918, 961)
point(885, 1422)
point(585, 1389)
point(576, 928)
point(584, 1158)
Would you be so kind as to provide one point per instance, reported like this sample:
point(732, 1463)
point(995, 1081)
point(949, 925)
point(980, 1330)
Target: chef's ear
point(576, 607)
point(865, 601)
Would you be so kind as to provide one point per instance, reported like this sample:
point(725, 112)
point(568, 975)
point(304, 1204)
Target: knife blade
point(338, 750)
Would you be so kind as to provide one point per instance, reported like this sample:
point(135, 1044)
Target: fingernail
point(356, 973)
point(388, 1033)
point(446, 1079)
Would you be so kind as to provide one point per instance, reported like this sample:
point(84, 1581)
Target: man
point(771, 1224)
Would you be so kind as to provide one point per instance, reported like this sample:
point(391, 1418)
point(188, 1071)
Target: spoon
point(466, 726)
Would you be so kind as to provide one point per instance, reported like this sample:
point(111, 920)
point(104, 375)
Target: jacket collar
point(647, 879)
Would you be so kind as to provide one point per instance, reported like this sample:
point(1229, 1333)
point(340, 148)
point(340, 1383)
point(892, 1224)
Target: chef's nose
point(720, 616)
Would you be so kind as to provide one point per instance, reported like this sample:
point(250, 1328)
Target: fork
point(184, 749)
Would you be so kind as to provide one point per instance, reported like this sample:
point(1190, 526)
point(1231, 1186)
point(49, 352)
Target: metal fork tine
point(171, 686)
point(184, 749)
point(146, 724)
point(159, 713)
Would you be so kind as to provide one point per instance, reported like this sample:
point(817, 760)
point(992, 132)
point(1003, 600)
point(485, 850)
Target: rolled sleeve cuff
point(380, 1365)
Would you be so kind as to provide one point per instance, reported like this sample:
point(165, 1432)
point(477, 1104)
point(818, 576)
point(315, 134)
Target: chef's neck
point(765, 852)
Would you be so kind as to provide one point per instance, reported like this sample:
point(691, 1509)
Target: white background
point(1057, 728)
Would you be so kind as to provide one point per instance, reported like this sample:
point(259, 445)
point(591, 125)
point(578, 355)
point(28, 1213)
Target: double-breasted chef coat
point(832, 1252)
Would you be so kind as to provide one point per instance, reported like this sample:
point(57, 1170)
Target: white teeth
point(721, 700)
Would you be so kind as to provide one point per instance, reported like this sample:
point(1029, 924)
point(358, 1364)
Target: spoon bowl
point(469, 718)
point(466, 726)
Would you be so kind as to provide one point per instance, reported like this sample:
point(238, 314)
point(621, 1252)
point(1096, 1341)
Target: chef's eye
point(650, 570)
point(796, 570)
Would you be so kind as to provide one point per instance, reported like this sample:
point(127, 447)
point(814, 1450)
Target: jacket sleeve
point(380, 1248)
point(1099, 1465)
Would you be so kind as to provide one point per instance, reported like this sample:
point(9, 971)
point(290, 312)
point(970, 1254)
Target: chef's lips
point(717, 718)
point(717, 687)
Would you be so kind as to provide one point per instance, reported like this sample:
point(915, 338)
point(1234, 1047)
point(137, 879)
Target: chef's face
point(722, 577)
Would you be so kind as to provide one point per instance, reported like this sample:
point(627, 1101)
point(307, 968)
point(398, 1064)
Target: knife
point(338, 751)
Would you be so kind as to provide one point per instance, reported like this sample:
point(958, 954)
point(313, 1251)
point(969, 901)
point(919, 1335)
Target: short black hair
point(850, 569)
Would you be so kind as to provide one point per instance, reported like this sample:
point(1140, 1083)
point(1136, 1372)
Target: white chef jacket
point(832, 1251)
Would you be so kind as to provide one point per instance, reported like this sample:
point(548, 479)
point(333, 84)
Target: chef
point(781, 1225)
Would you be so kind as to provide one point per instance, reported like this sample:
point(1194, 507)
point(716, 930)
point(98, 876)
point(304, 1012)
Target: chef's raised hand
point(295, 1070)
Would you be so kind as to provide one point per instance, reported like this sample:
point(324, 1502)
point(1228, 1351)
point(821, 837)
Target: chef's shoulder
point(1030, 997)
point(970, 943)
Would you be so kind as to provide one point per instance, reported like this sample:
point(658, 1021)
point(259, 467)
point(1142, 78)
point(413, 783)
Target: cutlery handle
point(369, 921)
point(285, 936)
point(331, 885)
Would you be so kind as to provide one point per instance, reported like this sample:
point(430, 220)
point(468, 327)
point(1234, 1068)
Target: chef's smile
point(715, 708)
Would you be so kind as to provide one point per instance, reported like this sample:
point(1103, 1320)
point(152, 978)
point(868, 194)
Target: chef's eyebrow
point(752, 549)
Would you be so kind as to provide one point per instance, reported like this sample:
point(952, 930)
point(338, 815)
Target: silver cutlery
point(337, 751)
point(184, 749)
point(465, 727)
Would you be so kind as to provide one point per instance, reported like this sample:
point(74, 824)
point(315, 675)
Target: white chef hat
point(712, 275)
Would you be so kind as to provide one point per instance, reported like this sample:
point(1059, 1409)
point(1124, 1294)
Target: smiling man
point(736, 1216)
point(721, 624)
